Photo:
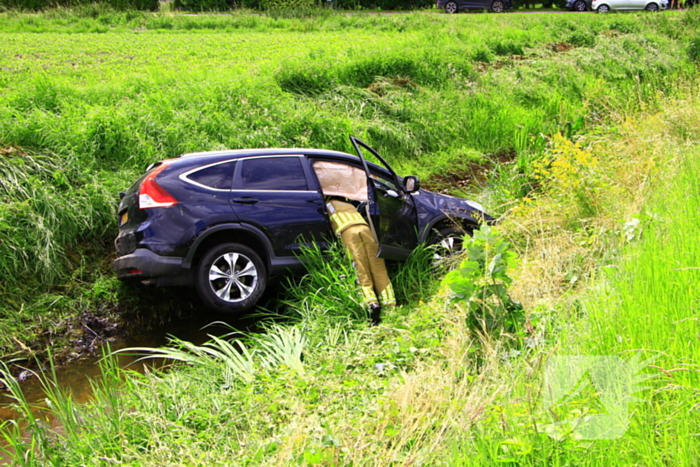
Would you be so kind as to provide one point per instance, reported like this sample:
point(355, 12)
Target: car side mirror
point(411, 184)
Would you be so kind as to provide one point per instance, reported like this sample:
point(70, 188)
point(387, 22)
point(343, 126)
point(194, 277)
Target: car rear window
point(273, 173)
point(219, 176)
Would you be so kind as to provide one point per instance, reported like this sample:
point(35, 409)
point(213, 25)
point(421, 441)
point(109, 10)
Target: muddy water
point(75, 376)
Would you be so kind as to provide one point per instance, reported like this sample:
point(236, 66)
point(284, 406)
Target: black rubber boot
point(375, 312)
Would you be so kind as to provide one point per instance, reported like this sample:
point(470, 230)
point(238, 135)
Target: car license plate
point(124, 218)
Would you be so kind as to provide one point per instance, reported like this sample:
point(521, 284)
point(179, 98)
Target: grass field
point(571, 126)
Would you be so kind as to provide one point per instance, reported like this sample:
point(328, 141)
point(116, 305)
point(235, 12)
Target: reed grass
point(424, 387)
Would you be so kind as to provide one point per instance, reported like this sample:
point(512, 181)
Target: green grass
point(256, 373)
point(418, 388)
point(424, 387)
point(100, 107)
point(86, 101)
point(642, 306)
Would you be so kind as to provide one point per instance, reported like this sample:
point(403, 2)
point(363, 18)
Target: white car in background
point(604, 6)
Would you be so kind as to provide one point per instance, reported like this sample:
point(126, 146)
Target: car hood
point(430, 205)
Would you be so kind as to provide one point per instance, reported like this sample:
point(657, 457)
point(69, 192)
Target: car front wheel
point(603, 9)
point(498, 6)
point(580, 6)
point(652, 7)
point(448, 242)
point(451, 7)
point(230, 278)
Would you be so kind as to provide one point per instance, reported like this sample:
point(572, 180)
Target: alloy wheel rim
point(233, 277)
point(446, 248)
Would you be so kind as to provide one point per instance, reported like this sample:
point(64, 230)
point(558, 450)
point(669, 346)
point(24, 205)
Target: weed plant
point(329, 291)
point(480, 285)
point(246, 373)
point(328, 294)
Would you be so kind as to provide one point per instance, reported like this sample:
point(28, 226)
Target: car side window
point(273, 174)
point(341, 179)
point(219, 176)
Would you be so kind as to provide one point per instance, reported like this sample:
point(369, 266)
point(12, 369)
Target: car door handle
point(245, 200)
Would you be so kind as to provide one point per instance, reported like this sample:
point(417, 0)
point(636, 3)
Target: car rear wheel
point(230, 278)
point(580, 5)
point(498, 6)
point(652, 7)
point(603, 9)
point(451, 7)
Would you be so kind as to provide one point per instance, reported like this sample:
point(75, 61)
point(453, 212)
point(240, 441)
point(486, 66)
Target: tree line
point(219, 5)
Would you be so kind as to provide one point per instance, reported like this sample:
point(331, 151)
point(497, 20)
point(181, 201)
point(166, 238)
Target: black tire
point(603, 9)
point(652, 7)
point(230, 278)
point(498, 6)
point(448, 243)
point(580, 5)
point(451, 7)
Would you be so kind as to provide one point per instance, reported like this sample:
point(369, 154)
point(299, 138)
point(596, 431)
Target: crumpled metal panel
point(429, 205)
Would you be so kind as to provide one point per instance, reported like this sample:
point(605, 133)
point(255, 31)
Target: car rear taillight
point(152, 195)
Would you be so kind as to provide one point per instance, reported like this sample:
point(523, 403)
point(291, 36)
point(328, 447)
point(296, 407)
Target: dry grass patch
point(588, 205)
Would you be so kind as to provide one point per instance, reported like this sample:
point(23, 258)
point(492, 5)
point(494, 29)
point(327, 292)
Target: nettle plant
point(481, 282)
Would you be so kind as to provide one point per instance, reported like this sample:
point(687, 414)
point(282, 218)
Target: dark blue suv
point(225, 221)
point(455, 6)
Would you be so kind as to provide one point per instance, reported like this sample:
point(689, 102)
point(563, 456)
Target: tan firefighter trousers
point(357, 238)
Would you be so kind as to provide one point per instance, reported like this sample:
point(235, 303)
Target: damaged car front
point(439, 213)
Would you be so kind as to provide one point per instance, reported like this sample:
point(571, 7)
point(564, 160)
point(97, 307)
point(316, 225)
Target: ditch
point(75, 376)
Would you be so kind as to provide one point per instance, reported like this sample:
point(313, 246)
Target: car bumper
point(143, 264)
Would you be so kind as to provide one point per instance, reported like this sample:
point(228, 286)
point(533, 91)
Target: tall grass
point(247, 372)
point(82, 114)
point(80, 5)
point(424, 388)
point(639, 306)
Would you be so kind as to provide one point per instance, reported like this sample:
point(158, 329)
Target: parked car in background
point(225, 221)
point(578, 5)
point(455, 6)
point(604, 6)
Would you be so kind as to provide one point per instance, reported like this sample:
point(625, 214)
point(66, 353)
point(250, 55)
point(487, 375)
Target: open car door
point(391, 211)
